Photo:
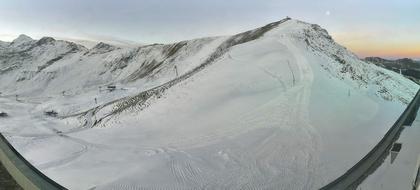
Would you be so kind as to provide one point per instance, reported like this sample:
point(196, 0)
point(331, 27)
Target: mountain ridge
point(405, 66)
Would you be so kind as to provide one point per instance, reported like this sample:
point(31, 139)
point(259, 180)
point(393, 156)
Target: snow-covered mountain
point(278, 107)
point(406, 66)
point(93, 42)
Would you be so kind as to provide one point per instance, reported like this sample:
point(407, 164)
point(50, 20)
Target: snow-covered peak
point(22, 39)
point(314, 36)
point(102, 47)
point(21, 43)
point(45, 40)
point(298, 29)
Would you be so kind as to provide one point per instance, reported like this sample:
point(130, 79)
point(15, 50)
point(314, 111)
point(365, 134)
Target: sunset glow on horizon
point(373, 47)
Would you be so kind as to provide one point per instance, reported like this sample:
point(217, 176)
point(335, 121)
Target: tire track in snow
point(185, 171)
point(306, 76)
point(275, 77)
point(268, 151)
point(85, 147)
point(262, 166)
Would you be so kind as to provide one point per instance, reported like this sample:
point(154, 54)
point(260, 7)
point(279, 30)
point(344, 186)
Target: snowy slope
point(279, 107)
point(3, 45)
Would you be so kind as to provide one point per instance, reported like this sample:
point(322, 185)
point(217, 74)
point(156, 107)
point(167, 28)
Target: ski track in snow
point(268, 152)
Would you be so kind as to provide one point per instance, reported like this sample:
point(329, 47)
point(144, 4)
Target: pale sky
point(389, 28)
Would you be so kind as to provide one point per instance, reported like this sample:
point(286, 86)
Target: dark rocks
point(3, 114)
point(51, 113)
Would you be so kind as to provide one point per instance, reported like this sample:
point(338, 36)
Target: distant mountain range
point(408, 67)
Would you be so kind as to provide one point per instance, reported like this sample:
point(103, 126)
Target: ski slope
point(278, 107)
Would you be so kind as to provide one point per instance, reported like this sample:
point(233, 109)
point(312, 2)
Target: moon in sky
point(327, 13)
